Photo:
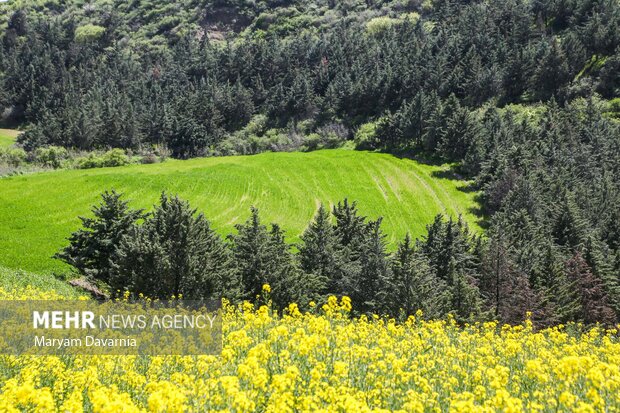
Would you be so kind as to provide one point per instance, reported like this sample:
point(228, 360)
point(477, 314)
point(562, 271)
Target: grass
point(18, 280)
point(38, 211)
point(7, 137)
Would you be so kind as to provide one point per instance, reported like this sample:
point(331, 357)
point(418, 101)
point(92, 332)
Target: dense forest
point(522, 95)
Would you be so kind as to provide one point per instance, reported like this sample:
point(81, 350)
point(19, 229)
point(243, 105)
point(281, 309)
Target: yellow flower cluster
point(326, 361)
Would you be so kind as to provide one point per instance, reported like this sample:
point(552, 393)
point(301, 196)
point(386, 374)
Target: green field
point(38, 211)
point(19, 280)
point(7, 137)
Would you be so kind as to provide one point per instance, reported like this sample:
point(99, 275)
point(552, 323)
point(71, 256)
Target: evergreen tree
point(569, 229)
point(367, 287)
point(464, 295)
point(263, 257)
point(350, 225)
point(413, 285)
point(589, 289)
point(251, 253)
point(91, 248)
point(318, 253)
point(175, 252)
point(448, 241)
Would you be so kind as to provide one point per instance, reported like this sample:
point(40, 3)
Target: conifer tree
point(367, 287)
point(263, 257)
point(251, 253)
point(594, 305)
point(557, 290)
point(569, 228)
point(349, 224)
point(413, 285)
point(174, 253)
point(91, 248)
point(318, 253)
point(464, 296)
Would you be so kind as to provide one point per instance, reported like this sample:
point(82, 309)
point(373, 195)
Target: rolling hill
point(38, 211)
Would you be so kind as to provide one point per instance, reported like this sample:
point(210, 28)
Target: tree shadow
point(468, 185)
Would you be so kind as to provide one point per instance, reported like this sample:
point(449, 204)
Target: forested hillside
point(522, 95)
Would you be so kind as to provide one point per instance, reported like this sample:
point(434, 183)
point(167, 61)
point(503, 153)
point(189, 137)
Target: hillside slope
point(7, 137)
point(37, 212)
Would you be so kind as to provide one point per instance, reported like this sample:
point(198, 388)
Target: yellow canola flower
point(327, 361)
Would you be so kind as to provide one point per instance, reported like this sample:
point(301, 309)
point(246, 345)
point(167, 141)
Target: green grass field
point(7, 137)
point(38, 211)
point(18, 280)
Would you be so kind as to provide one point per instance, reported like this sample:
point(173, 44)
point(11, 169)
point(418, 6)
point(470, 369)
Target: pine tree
point(552, 71)
point(319, 249)
point(263, 257)
point(250, 248)
point(288, 283)
point(175, 252)
point(91, 248)
point(464, 295)
point(413, 285)
point(446, 241)
point(590, 292)
point(556, 289)
point(601, 261)
point(349, 224)
point(351, 233)
point(569, 228)
point(370, 283)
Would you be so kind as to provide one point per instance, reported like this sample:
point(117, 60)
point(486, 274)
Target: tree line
point(174, 251)
point(93, 89)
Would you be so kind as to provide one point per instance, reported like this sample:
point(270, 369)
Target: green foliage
point(414, 285)
point(51, 156)
point(12, 156)
point(318, 251)
point(173, 253)
point(380, 24)
point(89, 33)
point(111, 158)
point(92, 248)
point(507, 91)
point(261, 257)
point(365, 135)
point(450, 250)
point(150, 77)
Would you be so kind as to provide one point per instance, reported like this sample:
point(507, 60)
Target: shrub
point(365, 135)
point(51, 156)
point(313, 141)
point(12, 156)
point(257, 125)
point(88, 33)
point(149, 158)
point(114, 157)
point(380, 24)
point(88, 162)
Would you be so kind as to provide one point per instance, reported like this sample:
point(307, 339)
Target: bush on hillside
point(12, 157)
point(365, 135)
point(51, 156)
point(113, 157)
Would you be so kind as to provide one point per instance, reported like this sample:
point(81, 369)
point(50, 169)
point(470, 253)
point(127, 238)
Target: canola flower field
point(327, 361)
